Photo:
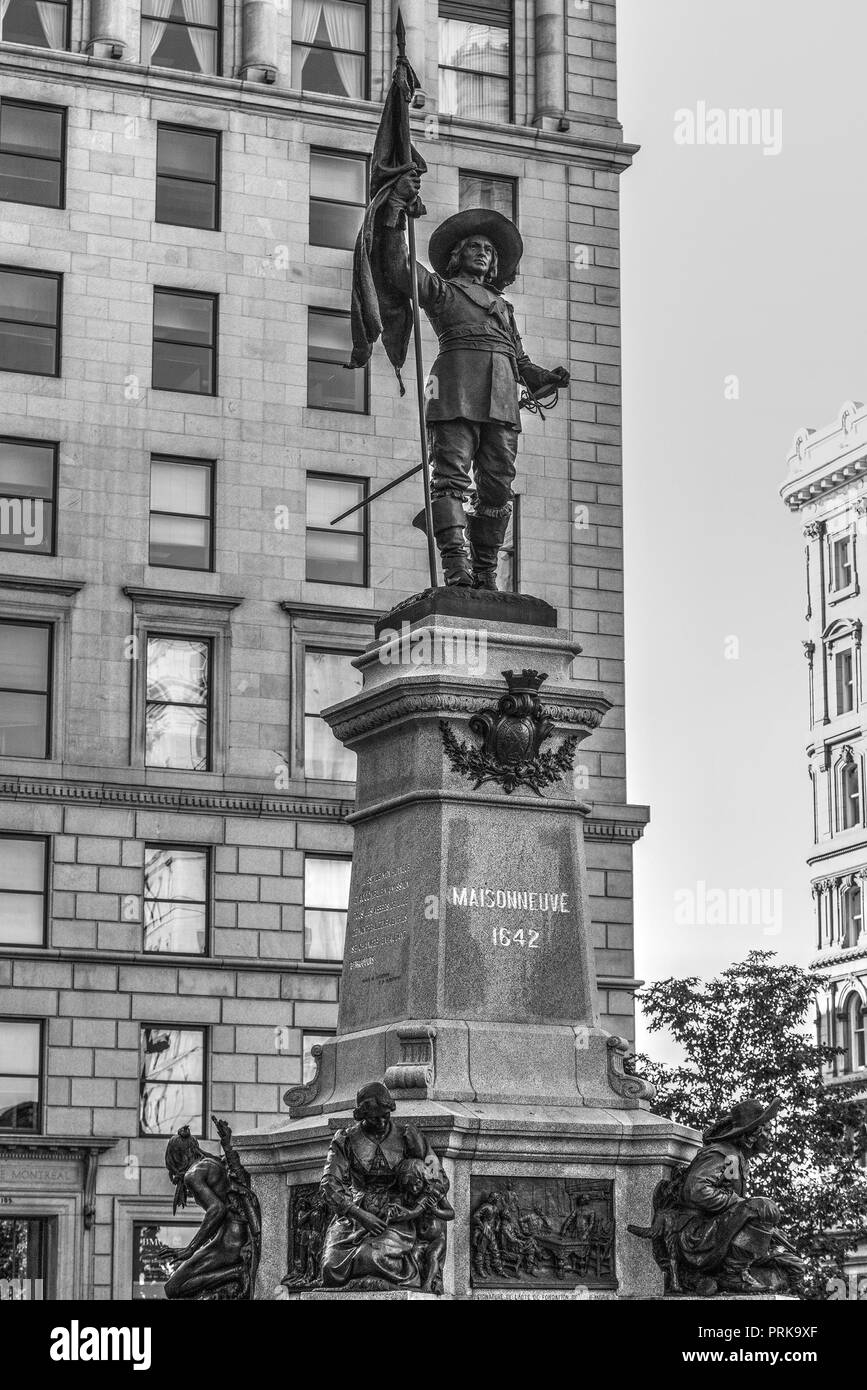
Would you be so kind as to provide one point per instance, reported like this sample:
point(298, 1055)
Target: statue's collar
point(482, 295)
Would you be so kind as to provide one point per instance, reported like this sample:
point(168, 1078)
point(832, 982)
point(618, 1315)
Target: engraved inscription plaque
point(542, 1232)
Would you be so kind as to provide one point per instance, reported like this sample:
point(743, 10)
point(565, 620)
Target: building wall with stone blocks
point(256, 812)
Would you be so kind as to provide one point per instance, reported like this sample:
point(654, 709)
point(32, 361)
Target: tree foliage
point(746, 1035)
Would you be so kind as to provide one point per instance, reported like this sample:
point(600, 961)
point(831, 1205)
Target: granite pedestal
point(468, 983)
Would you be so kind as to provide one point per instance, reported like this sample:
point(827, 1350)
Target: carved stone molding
point(630, 1087)
point(583, 717)
point(171, 799)
point(415, 1068)
point(809, 651)
point(814, 530)
point(298, 1096)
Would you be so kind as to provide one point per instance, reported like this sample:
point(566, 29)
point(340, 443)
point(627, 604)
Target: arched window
point(852, 1037)
point(850, 796)
point(851, 912)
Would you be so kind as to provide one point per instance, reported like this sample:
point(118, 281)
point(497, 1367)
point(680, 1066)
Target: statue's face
point(414, 1183)
point(375, 1119)
point(758, 1142)
point(477, 257)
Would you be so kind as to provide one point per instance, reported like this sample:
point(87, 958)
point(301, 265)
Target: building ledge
point(42, 584)
point(139, 594)
point(822, 460)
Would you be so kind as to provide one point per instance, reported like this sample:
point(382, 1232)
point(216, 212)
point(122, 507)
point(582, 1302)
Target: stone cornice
point(230, 93)
point(837, 956)
point(821, 461)
point(71, 1148)
point(332, 612)
point(138, 594)
point(42, 584)
point(258, 965)
point(172, 799)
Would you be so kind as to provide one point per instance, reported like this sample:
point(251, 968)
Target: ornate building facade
point(181, 182)
point(826, 488)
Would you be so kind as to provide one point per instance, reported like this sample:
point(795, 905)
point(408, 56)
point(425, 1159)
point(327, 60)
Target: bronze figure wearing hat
point(709, 1235)
point(472, 412)
point(386, 1192)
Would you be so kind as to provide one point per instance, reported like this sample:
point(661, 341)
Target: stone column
point(110, 30)
point(259, 41)
point(414, 15)
point(550, 48)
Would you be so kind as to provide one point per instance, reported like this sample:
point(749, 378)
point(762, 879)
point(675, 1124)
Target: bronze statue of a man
point(709, 1235)
point(472, 413)
point(221, 1259)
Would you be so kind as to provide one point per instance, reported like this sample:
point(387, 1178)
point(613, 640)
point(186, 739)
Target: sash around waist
point(477, 340)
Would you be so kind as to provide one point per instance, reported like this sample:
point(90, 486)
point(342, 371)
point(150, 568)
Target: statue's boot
point(449, 521)
point(486, 536)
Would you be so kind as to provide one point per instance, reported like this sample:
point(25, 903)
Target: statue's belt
point(478, 340)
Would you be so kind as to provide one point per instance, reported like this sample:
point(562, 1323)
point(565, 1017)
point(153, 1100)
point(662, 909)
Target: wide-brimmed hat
point(502, 234)
point(744, 1117)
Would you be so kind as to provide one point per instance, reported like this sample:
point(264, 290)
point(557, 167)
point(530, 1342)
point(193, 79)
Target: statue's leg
point(452, 443)
point(495, 471)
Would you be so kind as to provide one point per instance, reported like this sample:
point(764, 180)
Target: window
point(182, 521)
point(842, 568)
point(183, 34)
point(851, 1034)
point(508, 566)
point(844, 681)
point(330, 384)
point(850, 795)
point(29, 322)
point(177, 722)
point(850, 915)
point(28, 485)
point(152, 1264)
point(185, 342)
point(25, 679)
point(475, 60)
point(32, 142)
point(326, 901)
point(328, 678)
point(172, 1084)
point(336, 554)
point(488, 191)
point(43, 25)
point(188, 171)
point(308, 1042)
point(23, 889)
point(20, 1075)
point(338, 194)
point(329, 47)
point(26, 1248)
point(175, 899)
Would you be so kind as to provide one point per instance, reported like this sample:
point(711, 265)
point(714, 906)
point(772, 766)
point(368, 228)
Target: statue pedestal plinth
point(468, 982)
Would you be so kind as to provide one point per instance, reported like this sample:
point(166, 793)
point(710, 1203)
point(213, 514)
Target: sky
point(744, 318)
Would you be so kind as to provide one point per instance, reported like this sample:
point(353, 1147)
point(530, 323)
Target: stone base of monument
point(468, 984)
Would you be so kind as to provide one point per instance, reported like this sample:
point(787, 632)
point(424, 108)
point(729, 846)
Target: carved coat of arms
point(512, 735)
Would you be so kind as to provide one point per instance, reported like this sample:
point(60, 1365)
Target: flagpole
point(400, 33)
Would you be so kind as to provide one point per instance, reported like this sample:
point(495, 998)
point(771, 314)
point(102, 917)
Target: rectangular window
point(182, 519)
point(172, 1083)
point(338, 194)
point(177, 732)
point(475, 63)
point(20, 1075)
point(32, 144)
point(326, 901)
point(336, 554)
point(181, 34)
point(508, 563)
point(23, 889)
point(29, 321)
point(188, 172)
point(28, 486)
point(308, 1042)
point(844, 681)
point(329, 47)
point(26, 1248)
point(185, 342)
point(25, 681)
point(42, 25)
point(152, 1247)
point(175, 899)
point(328, 678)
point(488, 191)
point(331, 385)
point(842, 570)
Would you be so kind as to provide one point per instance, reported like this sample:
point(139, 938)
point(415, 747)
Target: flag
point(377, 309)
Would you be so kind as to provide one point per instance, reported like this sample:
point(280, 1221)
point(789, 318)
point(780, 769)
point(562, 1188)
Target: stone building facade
point(180, 184)
point(826, 488)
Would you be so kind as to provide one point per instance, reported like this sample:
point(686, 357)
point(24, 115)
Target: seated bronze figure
point(709, 1236)
point(220, 1261)
point(386, 1192)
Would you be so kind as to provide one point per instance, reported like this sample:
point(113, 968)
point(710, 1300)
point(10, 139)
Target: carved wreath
point(511, 737)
